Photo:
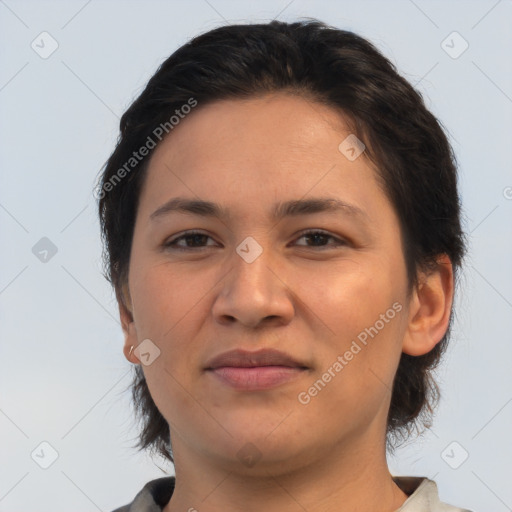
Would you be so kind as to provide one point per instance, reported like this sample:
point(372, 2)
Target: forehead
point(263, 127)
point(245, 153)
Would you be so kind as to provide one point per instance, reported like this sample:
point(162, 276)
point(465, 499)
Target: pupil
point(195, 237)
point(316, 236)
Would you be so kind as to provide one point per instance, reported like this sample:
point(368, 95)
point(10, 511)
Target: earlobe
point(127, 324)
point(430, 309)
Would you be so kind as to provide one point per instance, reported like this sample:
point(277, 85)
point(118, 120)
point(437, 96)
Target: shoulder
point(152, 497)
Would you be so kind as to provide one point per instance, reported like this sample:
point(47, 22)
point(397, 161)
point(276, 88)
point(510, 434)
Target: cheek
point(167, 303)
point(169, 309)
point(350, 296)
point(163, 296)
point(361, 312)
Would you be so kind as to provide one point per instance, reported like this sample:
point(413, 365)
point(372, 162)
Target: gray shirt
point(422, 492)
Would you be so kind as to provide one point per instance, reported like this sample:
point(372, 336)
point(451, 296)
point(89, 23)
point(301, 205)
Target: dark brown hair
point(411, 153)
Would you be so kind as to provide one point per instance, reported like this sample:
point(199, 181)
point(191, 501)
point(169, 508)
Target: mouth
point(246, 359)
point(256, 378)
point(253, 371)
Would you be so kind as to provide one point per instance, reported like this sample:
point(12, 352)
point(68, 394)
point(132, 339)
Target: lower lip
point(258, 377)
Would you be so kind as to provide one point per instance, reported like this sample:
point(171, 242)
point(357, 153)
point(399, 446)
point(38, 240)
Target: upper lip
point(247, 359)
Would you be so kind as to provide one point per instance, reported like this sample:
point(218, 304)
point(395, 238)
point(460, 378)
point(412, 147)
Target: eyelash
point(189, 234)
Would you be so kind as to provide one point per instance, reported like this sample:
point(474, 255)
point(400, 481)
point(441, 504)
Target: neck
point(354, 476)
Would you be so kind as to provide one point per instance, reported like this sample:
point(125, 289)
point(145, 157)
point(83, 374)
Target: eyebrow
point(280, 210)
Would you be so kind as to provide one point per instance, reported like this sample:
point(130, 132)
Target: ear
point(429, 309)
point(127, 323)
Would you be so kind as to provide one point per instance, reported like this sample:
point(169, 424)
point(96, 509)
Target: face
point(327, 287)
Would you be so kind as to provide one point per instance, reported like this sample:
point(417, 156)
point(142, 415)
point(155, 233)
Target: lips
point(245, 359)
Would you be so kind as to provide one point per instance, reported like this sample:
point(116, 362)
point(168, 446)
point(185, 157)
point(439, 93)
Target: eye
point(196, 237)
point(321, 236)
point(197, 240)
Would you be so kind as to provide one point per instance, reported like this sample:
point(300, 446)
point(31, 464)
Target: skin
point(306, 297)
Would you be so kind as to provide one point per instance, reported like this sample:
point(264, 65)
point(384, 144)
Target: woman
point(282, 229)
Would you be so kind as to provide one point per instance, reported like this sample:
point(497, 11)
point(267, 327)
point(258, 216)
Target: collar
point(422, 492)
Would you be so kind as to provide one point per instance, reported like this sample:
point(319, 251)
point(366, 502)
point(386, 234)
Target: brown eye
point(196, 239)
point(318, 237)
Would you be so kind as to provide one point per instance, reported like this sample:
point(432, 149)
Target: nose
point(254, 293)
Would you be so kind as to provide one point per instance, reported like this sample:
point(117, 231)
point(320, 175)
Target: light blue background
point(62, 371)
